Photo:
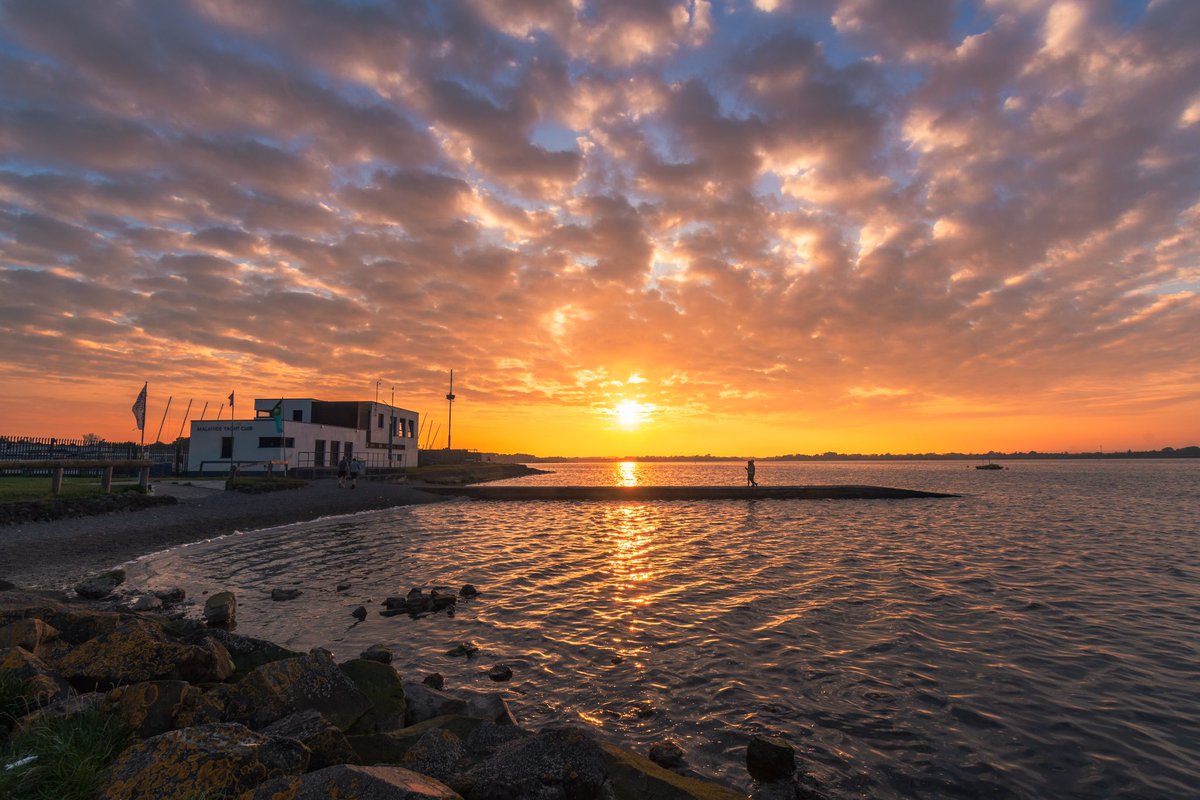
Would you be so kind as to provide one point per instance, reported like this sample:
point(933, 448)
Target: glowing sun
point(632, 414)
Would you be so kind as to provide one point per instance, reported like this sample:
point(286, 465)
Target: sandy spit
point(57, 554)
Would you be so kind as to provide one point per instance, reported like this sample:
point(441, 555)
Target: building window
point(275, 442)
point(319, 453)
point(226, 447)
point(348, 449)
point(380, 425)
point(334, 449)
point(297, 415)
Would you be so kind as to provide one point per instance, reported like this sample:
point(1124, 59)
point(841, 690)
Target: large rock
point(383, 689)
point(218, 760)
point(75, 623)
point(220, 610)
point(327, 744)
point(275, 690)
point(247, 652)
point(140, 651)
point(439, 753)
point(355, 783)
point(100, 586)
point(488, 705)
point(632, 777)
point(554, 763)
point(425, 702)
point(392, 747)
point(770, 758)
point(151, 707)
point(31, 634)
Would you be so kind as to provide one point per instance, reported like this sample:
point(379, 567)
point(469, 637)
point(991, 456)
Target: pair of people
point(350, 468)
point(750, 473)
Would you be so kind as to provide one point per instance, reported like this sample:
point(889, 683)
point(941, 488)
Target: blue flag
point(277, 414)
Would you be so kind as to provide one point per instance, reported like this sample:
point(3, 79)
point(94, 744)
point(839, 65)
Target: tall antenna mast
point(450, 411)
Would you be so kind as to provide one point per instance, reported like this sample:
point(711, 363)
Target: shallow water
point(1037, 637)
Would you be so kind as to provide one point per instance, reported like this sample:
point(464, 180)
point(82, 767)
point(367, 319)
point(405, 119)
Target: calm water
point(1039, 637)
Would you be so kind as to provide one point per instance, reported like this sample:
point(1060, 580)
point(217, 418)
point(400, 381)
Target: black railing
point(168, 458)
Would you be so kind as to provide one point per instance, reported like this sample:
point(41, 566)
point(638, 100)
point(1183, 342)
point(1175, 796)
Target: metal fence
point(169, 459)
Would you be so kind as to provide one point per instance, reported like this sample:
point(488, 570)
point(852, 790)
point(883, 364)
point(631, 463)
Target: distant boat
point(988, 465)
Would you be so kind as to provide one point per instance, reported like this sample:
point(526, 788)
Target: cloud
point(830, 209)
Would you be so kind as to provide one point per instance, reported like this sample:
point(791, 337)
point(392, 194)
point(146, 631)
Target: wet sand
point(58, 553)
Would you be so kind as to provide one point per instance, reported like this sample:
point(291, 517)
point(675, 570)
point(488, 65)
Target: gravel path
point(57, 554)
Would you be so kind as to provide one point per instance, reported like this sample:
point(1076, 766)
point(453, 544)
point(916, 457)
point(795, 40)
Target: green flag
point(277, 414)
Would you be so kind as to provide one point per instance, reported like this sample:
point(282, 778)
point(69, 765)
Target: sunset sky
point(629, 227)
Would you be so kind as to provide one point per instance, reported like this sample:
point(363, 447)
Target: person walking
point(343, 470)
point(750, 473)
point(356, 469)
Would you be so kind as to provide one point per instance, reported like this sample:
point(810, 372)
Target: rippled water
point(1038, 637)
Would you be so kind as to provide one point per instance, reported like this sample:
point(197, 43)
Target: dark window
point(380, 425)
point(297, 415)
point(226, 447)
point(334, 448)
point(275, 442)
point(349, 449)
point(319, 454)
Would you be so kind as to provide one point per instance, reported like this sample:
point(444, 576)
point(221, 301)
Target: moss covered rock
point(633, 777)
point(151, 707)
point(275, 690)
point(217, 760)
point(140, 651)
point(327, 744)
point(31, 634)
point(392, 747)
point(383, 689)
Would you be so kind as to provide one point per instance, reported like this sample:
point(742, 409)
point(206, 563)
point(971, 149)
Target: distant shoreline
point(1192, 451)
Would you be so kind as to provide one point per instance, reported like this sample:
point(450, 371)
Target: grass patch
point(66, 758)
point(13, 701)
point(38, 488)
point(260, 485)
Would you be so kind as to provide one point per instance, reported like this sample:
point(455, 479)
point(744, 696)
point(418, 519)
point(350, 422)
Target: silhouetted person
point(750, 473)
point(356, 469)
point(343, 470)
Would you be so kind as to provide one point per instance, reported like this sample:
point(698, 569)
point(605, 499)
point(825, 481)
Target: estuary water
point(1037, 637)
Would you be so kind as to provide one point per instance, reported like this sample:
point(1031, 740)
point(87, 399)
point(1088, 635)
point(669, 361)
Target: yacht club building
point(306, 433)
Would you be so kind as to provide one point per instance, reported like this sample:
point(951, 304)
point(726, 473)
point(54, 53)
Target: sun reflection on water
point(627, 473)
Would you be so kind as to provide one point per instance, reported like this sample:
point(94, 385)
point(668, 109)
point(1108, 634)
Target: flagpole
point(146, 389)
point(205, 411)
point(158, 436)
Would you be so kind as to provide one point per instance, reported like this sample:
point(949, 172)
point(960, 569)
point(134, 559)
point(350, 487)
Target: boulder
point(377, 652)
point(424, 702)
point(667, 754)
point(30, 634)
point(343, 586)
point(247, 652)
point(75, 623)
point(770, 758)
point(274, 690)
point(217, 760)
point(392, 747)
point(633, 777)
point(556, 762)
point(468, 591)
point(20, 663)
point(143, 602)
point(434, 680)
point(220, 610)
point(500, 673)
point(140, 651)
point(172, 595)
point(100, 586)
point(359, 613)
point(285, 594)
point(384, 692)
point(438, 753)
point(149, 708)
point(355, 783)
point(467, 649)
point(488, 705)
point(327, 744)
point(65, 706)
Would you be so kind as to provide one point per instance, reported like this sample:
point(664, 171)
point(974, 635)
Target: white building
point(309, 433)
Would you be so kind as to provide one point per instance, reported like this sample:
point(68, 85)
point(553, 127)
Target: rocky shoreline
point(210, 713)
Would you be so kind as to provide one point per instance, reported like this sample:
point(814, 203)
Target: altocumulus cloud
point(823, 204)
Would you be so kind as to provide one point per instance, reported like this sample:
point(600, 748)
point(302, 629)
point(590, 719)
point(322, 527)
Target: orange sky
point(758, 228)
